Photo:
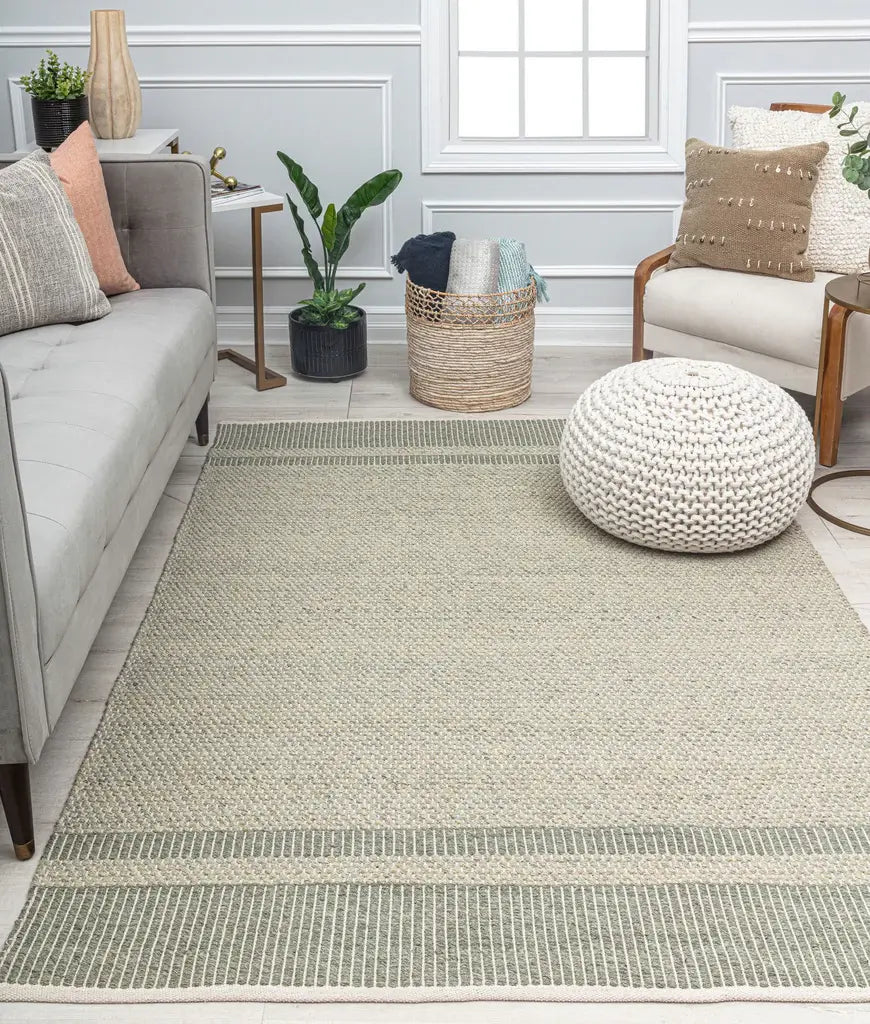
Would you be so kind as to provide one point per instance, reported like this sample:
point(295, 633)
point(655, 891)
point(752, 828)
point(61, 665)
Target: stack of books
point(222, 197)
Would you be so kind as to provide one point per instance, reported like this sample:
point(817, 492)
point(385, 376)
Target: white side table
point(266, 202)
point(145, 141)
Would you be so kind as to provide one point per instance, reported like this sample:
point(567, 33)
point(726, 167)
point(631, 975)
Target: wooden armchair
point(766, 325)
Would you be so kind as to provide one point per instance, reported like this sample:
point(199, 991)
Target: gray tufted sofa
point(92, 420)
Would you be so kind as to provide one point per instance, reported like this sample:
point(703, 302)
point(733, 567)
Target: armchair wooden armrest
point(645, 270)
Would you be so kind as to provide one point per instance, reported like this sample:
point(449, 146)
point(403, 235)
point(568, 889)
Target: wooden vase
point(113, 88)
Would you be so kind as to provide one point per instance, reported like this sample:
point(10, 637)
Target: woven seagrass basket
point(470, 353)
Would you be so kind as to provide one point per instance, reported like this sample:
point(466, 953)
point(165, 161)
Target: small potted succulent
point(57, 98)
point(328, 332)
point(856, 162)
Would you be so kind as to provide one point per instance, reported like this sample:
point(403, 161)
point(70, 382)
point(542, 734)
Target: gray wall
point(366, 105)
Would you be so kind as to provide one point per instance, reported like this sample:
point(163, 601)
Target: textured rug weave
point(401, 724)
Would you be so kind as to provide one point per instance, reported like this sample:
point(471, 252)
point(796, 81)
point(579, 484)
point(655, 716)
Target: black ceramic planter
point(324, 353)
point(53, 120)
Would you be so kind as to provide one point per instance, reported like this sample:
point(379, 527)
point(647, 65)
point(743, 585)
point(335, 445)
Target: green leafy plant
point(856, 162)
point(52, 80)
point(330, 307)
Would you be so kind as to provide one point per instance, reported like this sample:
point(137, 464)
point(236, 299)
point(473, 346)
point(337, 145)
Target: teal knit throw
point(515, 271)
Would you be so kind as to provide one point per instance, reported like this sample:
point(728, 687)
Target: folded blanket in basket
point(426, 259)
point(515, 271)
point(474, 267)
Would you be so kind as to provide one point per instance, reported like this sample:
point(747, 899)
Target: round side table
point(852, 294)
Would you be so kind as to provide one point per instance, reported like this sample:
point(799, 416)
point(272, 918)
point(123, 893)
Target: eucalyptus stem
point(856, 162)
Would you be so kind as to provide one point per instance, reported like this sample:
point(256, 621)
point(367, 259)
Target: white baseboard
point(556, 325)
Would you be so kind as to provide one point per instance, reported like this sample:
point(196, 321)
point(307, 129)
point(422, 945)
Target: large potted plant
point(328, 332)
point(57, 98)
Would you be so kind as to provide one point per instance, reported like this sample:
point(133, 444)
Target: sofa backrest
point(161, 208)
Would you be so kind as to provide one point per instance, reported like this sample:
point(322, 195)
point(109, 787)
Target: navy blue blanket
point(426, 258)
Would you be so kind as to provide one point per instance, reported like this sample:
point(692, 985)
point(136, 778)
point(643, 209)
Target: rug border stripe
point(520, 931)
point(546, 840)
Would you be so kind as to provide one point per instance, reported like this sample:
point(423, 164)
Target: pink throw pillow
point(77, 165)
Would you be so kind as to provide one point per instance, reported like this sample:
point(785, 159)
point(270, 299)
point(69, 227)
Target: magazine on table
point(222, 196)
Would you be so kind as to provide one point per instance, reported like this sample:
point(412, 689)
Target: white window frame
point(664, 153)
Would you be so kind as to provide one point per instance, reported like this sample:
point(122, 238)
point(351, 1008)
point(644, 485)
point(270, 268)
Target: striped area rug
point(401, 725)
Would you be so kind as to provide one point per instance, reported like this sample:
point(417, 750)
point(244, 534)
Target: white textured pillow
point(840, 225)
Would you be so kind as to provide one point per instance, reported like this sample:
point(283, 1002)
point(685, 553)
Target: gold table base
point(264, 378)
point(814, 505)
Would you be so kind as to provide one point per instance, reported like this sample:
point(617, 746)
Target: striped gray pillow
point(46, 276)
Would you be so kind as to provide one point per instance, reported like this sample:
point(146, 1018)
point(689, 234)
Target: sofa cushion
point(769, 315)
point(90, 406)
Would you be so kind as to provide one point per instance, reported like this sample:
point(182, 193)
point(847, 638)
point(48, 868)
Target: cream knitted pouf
point(688, 456)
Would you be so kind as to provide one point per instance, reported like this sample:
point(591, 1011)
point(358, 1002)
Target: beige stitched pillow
point(840, 231)
point(748, 209)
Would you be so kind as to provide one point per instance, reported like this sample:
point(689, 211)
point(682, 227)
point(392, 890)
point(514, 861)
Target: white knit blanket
point(474, 265)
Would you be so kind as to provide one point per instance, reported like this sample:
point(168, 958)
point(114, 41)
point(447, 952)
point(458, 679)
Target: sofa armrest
point(24, 724)
point(161, 206)
point(645, 270)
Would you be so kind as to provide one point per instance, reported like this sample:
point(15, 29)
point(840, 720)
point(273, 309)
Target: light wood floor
point(560, 375)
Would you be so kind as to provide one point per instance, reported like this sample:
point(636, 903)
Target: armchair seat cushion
point(768, 315)
point(90, 407)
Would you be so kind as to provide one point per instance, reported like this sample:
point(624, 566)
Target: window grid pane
point(617, 100)
point(489, 101)
point(619, 25)
point(487, 25)
point(547, 77)
point(554, 25)
point(636, 118)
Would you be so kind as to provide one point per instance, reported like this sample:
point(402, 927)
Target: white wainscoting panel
point(381, 83)
point(726, 80)
point(613, 207)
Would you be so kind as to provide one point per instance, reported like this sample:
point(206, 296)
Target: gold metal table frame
point(265, 379)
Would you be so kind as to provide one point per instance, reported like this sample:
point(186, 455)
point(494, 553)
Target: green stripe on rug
point(388, 443)
point(373, 937)
point(453, 842)
point(378, 435)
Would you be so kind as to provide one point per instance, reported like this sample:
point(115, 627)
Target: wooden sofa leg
point(15, 796)
point(202, 425)
point(829, 416)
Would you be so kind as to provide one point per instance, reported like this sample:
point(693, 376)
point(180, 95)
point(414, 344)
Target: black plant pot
point(53, 120)
point(327, 353)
